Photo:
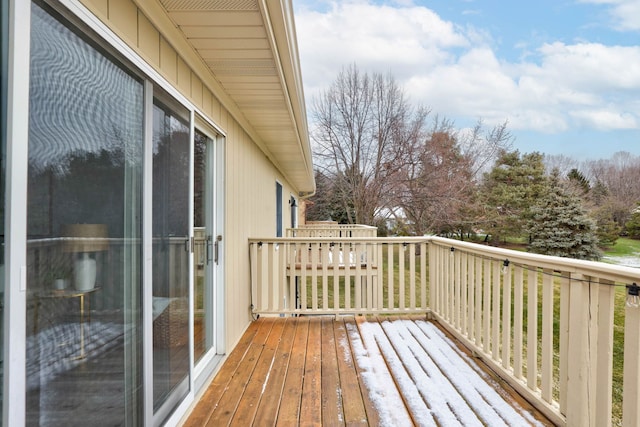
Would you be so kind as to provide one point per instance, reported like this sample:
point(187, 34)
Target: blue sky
point(564, 73)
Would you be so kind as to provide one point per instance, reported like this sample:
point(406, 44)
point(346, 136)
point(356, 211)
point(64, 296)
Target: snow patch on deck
point(437, 383)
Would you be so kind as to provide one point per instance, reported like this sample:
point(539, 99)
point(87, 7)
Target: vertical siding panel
point(184, 77)
point(148, 40)
point(206, 101)
point(98, 7)
point(123, 17)
point(196, 90)
point(168, 61)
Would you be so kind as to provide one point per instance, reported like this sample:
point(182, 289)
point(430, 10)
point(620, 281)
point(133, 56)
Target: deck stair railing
point(556, 329)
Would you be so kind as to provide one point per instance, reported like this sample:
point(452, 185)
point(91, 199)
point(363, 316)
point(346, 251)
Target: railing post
point(631, 373)
point(604, 325)
point(579, 396)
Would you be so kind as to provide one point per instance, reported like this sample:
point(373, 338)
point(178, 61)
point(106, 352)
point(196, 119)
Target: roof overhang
point(249, 47)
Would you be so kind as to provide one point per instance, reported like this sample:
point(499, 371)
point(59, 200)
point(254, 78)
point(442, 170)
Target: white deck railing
point(337, 276)
point(554, 328)
point(327, 229)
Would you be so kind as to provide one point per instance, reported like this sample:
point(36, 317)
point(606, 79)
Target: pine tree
point(509, 190)
point(560, 226)
point(633, 225)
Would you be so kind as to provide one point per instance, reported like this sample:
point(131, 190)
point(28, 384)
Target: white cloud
point(625, 13)
point(606, 119)
point(454, 70)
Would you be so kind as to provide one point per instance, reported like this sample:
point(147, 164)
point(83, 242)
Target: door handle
point(208, 249)
point(216, 249)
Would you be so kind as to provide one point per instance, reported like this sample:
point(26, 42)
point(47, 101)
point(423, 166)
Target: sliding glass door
point(171, 249)
point(207, 244)
point(83, 320)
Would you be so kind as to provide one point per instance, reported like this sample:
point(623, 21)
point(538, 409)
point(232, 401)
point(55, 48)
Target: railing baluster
point(412, 275)
point(346, 264)
point(486, 307)
point(324, 256)
point(546, 383)
point(304, 262)
point(401, 284)
point(518, 315)
point(282, 275)
point(255, 280)
point(271, 276)
point(358, 276)
point(478, 287)
point(293, 260)
point(369, 280)
point(565, 300)
point(471, 298)
point(506, 316)
point(532, 329)
point(390, 285)
point(495, 314)
point(379, 277)
point(423, 275)
point(457, 293)
point(314, 263)
point(464, 289)
point(335, 255)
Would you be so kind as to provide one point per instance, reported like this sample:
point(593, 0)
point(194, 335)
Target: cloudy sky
point(564, 73)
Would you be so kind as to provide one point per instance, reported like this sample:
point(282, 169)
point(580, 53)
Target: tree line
point(381, 161)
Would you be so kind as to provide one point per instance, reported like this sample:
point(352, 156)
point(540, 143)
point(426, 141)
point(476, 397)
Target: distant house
point(143, 143)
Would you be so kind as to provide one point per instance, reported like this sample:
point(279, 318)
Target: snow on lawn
point(436, 380)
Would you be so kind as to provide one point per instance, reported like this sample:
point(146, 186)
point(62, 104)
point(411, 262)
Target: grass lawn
point(624, 247)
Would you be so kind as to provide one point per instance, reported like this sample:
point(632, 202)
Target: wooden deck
point(319, 371)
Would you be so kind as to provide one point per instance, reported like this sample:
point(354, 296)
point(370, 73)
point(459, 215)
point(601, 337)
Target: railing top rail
point(330, 225)
point(588, 268)
point(300, 240)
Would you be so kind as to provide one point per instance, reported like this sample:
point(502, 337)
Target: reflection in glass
point(83, 345)
point(171, 247)
point(204, 247)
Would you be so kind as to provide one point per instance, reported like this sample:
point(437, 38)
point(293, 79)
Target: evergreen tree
point(509, 190)
point(633, 225)
point(559, 225)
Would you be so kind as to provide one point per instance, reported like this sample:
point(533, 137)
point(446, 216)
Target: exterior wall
point(250, 177)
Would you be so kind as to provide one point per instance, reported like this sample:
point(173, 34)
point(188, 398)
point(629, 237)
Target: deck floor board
point(322, 371)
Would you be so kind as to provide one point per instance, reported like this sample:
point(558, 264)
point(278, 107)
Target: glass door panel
point(206, 245)
point(171, 248)
point(84, 331)
point(4, 46)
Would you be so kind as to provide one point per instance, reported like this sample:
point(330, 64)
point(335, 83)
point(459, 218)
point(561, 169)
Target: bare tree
point(364, 126)
point(437, 184)
point(483, 147)
point(619, 181)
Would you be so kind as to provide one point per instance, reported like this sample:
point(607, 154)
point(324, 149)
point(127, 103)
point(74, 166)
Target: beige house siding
point(250, 177)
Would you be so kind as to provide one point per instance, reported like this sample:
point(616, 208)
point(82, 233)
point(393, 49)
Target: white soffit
point(234, 40)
